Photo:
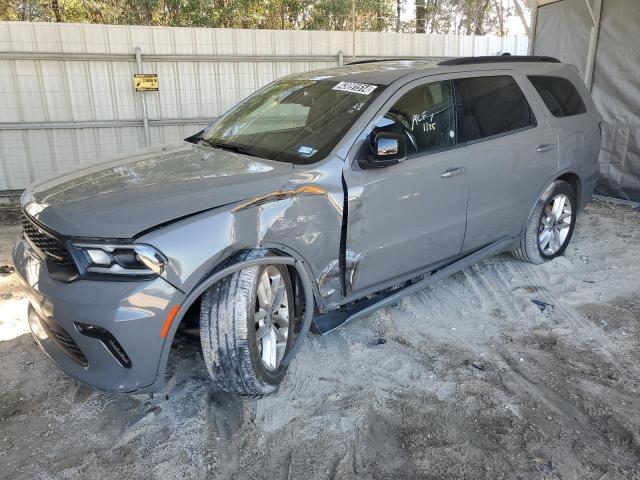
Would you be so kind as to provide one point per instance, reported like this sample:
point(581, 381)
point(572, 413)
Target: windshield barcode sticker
point(363, 88)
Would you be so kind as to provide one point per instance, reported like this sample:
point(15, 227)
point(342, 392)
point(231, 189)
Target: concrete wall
point(67, 97)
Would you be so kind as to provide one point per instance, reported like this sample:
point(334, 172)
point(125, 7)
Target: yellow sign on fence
point(145, 82)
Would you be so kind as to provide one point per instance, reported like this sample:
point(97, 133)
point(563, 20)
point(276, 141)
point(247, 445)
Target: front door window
point(425, 116)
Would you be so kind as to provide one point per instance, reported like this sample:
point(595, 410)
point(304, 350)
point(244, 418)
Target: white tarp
point(562, 31)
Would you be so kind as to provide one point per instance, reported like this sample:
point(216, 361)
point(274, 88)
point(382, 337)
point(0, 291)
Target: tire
point(232, 352)
point(543, 222)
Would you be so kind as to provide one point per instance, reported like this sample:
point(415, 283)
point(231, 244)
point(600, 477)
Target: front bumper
point(133, 312)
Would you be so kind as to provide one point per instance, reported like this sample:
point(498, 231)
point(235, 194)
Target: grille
point(67, 344)
point(50, 247)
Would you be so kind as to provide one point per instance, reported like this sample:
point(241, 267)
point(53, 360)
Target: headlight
point(120, 259)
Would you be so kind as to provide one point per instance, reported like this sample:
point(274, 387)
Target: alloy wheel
point(271, 317)
point(555, 224)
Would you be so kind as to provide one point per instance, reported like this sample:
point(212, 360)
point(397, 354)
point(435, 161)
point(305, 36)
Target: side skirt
point(330, 321)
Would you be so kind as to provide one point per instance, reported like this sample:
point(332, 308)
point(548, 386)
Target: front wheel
point(246, 327)
point(550, 225)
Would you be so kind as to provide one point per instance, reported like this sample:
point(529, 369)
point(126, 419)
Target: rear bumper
point(132, 312)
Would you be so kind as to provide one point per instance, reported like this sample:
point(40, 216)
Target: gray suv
point(318, 199)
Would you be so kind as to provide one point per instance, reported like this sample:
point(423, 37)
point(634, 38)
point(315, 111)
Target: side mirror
point(386, 149)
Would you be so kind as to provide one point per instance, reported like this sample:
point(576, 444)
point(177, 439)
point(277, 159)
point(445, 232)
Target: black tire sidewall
point(271, 377)
point(559, 188)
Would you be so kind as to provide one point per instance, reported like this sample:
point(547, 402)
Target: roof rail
point(499, 59)
point(376, 60)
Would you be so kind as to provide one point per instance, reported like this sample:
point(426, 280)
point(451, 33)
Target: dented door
point(412, 215)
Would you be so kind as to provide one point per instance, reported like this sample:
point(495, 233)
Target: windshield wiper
point(233, 148)
point(201, 139)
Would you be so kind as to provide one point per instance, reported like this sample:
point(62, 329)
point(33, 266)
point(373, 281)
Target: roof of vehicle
point(386, 71)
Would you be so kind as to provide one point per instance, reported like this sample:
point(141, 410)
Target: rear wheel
point(246, 327)
point(550, 225)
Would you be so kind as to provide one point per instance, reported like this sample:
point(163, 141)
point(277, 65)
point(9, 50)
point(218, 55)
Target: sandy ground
point(467, 379)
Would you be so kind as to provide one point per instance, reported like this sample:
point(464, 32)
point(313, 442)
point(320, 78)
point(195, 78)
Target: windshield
point(295, 120)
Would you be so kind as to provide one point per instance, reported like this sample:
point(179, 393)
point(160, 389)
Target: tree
point(498, 5)
point(55, 6)
point(376, 15)
point(523, 18)
point(421, 11)
point(432, 16)
point(8, 10)
point(477, 17)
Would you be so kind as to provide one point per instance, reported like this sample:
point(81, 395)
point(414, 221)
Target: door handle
point(452, 172)
point(545, 147)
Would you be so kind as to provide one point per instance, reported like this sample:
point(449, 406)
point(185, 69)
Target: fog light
point(107, 339)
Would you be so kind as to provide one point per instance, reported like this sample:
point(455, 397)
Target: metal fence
point(67, 96)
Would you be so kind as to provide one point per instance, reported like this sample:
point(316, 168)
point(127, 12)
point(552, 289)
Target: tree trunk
point(55, 6)
point(430, 12)
point(22, 12)
point(500, 11)
point(523, 18)
point(420, 16)
point(398, 12)
point(282, 16)
point(479, 27)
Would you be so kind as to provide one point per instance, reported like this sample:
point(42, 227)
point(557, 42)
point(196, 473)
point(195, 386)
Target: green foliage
point(431, 16)
point(8, 10)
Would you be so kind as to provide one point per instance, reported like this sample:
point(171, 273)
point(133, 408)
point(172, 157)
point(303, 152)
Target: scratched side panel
point(310, 224)
point(306, 220)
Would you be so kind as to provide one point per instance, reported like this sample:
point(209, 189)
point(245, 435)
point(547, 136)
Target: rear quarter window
point(559, 95)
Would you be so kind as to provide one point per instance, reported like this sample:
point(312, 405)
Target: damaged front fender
point(304, 216)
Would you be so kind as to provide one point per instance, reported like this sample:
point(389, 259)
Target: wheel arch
point(570, 176)
point(529, 249)
point(236, 259)
point(573, 179)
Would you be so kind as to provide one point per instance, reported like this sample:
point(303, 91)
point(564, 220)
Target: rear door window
point(559, 95)
point(490, 106)
point(425, 116)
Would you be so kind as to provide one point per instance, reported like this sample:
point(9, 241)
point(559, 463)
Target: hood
point(127, 195)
